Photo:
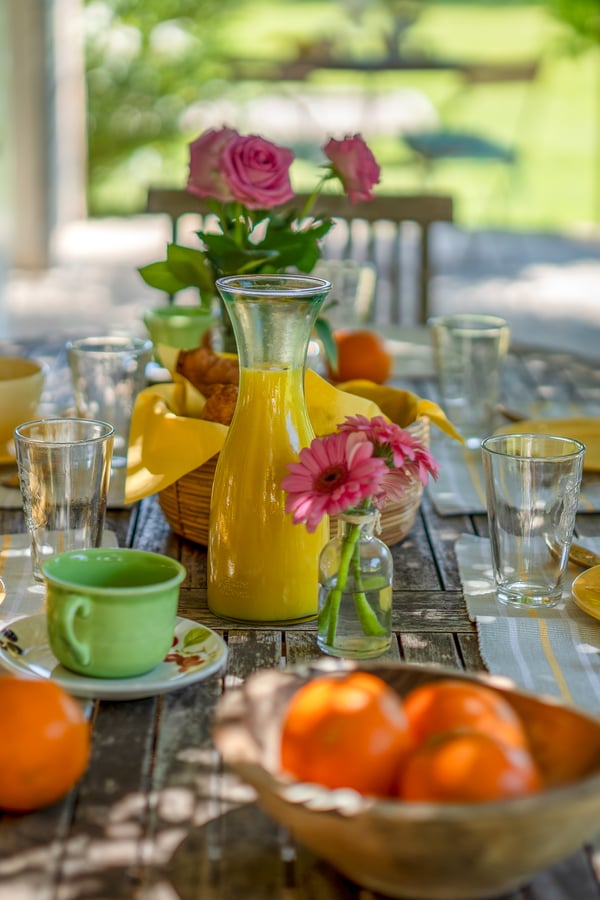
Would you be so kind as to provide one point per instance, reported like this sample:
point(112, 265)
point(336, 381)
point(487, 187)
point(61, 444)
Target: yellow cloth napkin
point(402, 407)
point(584, 429)
point(167, 440)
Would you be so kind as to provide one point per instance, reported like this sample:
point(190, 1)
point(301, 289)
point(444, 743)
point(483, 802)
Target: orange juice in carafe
point(262, 566)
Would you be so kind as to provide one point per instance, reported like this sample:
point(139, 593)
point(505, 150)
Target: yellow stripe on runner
point(552, 660)
point(3, 551)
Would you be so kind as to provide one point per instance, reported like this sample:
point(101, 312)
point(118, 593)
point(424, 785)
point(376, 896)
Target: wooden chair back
point(390, 235)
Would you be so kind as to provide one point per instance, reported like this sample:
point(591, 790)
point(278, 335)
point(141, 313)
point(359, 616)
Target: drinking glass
point(107, 374)
point(532, 483)
point(468, 352)
point(64, 474)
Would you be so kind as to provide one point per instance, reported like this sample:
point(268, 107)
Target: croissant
point(202, 367)
point(220, 404)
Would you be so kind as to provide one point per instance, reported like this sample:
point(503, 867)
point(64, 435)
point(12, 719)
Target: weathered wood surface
point(156, 817)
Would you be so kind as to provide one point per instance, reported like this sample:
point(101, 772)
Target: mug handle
point(68, 609)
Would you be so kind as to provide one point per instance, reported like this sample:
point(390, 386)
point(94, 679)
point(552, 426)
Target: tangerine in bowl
point(483, 837)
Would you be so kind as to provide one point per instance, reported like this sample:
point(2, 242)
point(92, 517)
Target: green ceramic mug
point(111, 613)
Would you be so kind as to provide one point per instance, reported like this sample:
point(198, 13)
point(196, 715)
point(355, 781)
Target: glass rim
point(108, 431)
point(469, 322)
point(578, 448)
point(118, 342)
point(176, 574)
point(299, 285)
point(173, 311)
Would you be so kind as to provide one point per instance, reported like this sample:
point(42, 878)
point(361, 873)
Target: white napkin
point(24, 596)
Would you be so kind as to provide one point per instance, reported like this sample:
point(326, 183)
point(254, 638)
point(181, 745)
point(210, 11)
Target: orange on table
point(346, 731)
point(450, 704)
point(467, 767)
point(361, 355)
point(44, 743)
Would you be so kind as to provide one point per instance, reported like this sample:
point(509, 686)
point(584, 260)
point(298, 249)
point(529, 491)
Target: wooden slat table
point(155, 816)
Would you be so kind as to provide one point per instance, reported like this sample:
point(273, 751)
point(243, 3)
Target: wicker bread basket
point(186, 502)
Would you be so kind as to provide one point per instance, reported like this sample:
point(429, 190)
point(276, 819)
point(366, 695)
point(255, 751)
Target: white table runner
point(553, 651)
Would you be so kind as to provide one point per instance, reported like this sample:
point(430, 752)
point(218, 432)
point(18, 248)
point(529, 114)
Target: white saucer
point(24, 649)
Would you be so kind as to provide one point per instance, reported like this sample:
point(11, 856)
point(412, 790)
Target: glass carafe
point(262, 567)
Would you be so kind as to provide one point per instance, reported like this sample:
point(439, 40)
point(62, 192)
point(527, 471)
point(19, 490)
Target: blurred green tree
point(582, 15)
point(146, 63)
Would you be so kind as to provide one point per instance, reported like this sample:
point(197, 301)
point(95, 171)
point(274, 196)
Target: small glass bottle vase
point(355, 589)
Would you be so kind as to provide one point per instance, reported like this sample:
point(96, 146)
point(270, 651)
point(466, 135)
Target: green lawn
point(552, 123)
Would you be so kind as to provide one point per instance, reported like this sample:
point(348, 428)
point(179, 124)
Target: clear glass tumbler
point(533, 483)
point(468, 352)
point(64, 474)
point(107, 374)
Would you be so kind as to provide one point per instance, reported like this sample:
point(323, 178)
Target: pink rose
point(355, 166)
point(257, 171)
point(206, 178)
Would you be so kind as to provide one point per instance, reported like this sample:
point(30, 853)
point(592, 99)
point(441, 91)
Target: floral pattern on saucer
point(193, 650)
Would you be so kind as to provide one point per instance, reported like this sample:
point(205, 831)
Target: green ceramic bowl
point(178, 326)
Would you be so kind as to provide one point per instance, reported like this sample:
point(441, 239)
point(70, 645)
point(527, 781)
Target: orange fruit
point(361, 355)
point(450, 704)
point(467, 767)
point(345, 731)
point(44, 743)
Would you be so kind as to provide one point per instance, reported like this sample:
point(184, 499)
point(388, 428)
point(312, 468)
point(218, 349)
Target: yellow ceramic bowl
point(21, 385)
point(423, 850)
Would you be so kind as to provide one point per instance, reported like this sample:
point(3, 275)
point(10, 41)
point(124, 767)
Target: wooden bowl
point(422, 850)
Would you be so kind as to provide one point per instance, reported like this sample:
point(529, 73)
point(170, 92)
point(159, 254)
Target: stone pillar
point(70, 175)
point(5, 165)
point(47, 124)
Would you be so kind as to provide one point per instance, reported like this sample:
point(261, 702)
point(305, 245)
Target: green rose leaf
point(189, 266)
point(325, 335)
point(159, 275)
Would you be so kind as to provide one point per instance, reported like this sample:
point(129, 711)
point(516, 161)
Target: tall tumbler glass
point(468, 352)
point(107, 374)
point(533, 483)
point(64, 474)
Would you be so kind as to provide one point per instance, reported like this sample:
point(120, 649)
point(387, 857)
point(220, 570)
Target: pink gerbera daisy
point(335, 473)
point(405, 456)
